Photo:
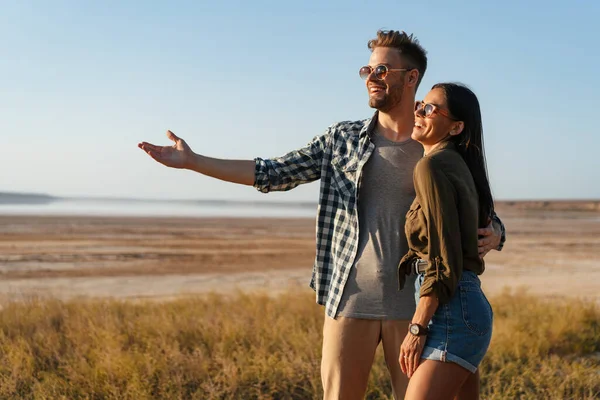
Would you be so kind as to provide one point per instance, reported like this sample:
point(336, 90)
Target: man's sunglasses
point(380, 71)
point(429, 109)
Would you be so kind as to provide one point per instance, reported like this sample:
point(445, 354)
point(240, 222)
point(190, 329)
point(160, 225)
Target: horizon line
point(221, 200)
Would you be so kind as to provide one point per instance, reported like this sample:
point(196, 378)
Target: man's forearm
point(235, 171)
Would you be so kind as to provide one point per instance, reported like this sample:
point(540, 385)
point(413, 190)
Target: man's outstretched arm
point(282, 173)
point(180, 155)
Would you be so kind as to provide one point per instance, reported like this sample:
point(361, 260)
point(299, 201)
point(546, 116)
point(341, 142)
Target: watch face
point(414, 329)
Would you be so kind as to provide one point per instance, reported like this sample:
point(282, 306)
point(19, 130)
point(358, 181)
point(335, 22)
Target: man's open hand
point(176, 156)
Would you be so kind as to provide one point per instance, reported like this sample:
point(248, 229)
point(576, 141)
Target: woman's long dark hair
point(464, 106)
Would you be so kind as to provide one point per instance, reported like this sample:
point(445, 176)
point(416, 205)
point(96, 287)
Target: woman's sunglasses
point(380, 71)
point(429, 109)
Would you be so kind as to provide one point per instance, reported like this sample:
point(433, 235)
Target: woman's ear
point(457, 128)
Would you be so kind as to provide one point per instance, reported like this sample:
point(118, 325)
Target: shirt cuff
point(261, 175)
point(502, 232)
point(431, 287)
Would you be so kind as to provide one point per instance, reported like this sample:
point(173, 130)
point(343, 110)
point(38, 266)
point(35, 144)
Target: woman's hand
point(410, 353)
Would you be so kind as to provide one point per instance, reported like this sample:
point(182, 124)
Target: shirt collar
point(369, 127)
point(447, 144)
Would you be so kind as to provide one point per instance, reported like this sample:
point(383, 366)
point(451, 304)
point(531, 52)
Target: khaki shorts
point(349, 346)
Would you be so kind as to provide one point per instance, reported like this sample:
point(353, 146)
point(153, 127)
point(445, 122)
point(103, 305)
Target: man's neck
point(397, 125)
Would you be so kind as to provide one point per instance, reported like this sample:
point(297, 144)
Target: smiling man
point(365, 169)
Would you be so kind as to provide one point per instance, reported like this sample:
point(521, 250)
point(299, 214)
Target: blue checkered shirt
point(337, 158)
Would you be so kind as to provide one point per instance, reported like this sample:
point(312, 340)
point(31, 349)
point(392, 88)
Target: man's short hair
point(408, 46)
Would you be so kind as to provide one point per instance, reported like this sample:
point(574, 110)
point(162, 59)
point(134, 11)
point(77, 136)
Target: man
point(366, 188)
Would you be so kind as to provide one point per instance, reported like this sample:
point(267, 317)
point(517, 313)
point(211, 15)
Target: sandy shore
point(549, 252)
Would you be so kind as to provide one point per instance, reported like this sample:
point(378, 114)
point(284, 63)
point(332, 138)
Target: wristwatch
point(418, 330)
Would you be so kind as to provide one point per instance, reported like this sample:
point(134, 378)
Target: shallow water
point(157, 209)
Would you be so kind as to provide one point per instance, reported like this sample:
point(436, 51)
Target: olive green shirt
point(441, 225)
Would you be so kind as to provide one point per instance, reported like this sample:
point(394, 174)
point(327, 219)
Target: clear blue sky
point(83, 82)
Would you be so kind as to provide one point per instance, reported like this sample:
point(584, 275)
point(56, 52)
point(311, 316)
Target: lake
point(142, 208)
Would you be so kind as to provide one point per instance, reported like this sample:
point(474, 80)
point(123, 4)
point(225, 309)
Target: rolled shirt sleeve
point(438, 198)
point(291, 169)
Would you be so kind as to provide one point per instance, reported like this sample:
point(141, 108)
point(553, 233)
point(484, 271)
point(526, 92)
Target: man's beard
point(389, 100)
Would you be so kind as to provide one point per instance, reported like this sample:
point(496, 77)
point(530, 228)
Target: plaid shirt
point(337, 158)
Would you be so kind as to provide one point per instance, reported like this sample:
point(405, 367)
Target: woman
point(452, 324)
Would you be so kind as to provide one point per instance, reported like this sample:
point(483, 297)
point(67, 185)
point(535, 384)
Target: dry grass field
point(253, 346)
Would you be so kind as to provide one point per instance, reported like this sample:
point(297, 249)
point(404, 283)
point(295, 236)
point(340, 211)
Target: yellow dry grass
point(253, 346)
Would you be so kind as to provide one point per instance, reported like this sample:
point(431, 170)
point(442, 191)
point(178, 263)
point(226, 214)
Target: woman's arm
point(438, 199)
point(412, 346)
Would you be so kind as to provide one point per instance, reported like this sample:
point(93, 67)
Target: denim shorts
point(460, 330)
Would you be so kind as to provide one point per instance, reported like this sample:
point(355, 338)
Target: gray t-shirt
point(386, 193)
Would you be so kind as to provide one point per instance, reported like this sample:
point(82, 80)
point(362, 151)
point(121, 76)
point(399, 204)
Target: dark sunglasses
point(380, 71)
point(429, 109)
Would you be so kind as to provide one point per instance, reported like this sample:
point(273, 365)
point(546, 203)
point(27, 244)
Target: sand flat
point(551, 251)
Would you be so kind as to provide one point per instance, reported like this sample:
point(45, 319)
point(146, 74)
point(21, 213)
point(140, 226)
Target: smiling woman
point(452, 325)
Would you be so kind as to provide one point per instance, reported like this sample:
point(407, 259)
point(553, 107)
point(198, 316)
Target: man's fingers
point(155, 155)
point(484, 242)
point(483, 250)
point(147, 146)
point(172, 136)
point(485, 231)
point(151, 152)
